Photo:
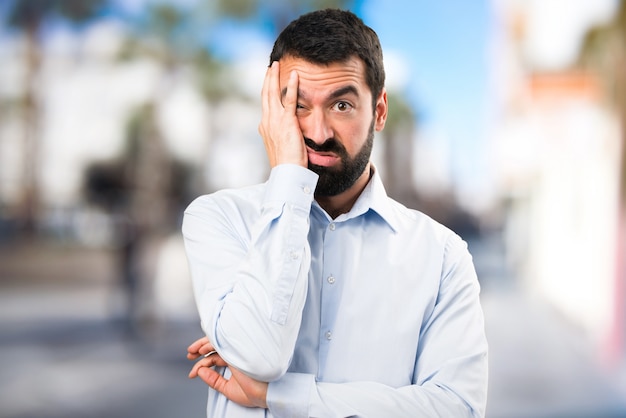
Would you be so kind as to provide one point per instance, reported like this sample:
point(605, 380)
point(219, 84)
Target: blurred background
point(506, 124)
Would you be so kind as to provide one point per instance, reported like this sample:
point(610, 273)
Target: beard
point(335, 180)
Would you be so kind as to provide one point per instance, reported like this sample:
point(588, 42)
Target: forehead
point(314, 79)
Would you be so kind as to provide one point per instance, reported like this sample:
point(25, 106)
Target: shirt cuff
point(291, 183)
point(289, 395)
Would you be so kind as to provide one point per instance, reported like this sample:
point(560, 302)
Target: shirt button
point(306, 190)
point(293, 255)
point(331, 279)
point(332, 226)
point(329, 335)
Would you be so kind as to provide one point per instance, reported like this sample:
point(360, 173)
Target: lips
point(323, 159)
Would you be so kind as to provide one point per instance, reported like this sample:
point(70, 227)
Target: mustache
point(330, 145)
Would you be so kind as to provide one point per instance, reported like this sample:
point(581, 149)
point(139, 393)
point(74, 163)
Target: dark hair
point(333, 36)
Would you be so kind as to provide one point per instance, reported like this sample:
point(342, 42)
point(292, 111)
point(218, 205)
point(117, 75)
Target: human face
point(336, 119)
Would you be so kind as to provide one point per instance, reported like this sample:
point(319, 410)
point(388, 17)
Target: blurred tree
point(162, 35)
point(604, 53)
point(279, 13)
point(172, 35)
point(30, 17)
point(398, 149)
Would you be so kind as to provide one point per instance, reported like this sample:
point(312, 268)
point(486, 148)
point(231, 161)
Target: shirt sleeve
point(249, 271)
point(450, 376)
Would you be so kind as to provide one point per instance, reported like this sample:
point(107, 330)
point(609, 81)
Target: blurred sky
point(444, 47)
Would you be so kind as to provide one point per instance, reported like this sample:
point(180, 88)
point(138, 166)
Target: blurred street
point(64, 354)
point(541, 365)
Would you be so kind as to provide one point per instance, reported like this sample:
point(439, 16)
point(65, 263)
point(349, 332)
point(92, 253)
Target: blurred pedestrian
point(319, 295)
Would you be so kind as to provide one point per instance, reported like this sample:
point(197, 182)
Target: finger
point(274, 93)
point(213, 378)
point(199, 348)
point(269, 98)
point(202, 351)
point(291, 95)
point(205, 362)
point(195, 346)
point(266, 88)
point(268, 92)
point(193, 373)
point(193, 349)
point(212, 360)
point(206, 348)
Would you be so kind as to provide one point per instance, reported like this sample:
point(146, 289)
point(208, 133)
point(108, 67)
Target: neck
point(343, 202)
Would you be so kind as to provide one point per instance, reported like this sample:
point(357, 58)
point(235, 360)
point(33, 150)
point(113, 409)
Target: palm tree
point(148, 165)
point(279, 12)
point(29, 17)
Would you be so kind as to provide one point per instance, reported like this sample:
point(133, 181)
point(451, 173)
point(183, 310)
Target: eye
point(342, 107)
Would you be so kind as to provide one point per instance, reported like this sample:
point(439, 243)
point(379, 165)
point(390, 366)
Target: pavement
point(65, 351)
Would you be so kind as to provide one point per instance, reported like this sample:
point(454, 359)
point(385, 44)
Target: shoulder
point(228, 208)
point(415, 220)
point(415, 223)
point(241, 199)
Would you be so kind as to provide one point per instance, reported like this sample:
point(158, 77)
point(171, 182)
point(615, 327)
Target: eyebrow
point(342, 91)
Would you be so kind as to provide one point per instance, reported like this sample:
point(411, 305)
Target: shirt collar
point(373, 197)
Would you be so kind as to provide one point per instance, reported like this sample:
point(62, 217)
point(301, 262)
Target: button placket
point(330, 288)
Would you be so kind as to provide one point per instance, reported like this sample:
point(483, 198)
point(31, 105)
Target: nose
point(316, 127)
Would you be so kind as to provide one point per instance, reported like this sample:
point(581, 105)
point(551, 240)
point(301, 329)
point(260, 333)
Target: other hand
point(240, 388)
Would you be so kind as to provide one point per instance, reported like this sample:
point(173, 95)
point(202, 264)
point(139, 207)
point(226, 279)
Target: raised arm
point(249, 256)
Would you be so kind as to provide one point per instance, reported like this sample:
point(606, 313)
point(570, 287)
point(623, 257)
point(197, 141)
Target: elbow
point(261, 360)
point(264, 366)
point(261, 350)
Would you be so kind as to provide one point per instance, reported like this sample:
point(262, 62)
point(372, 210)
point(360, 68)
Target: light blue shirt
point(373, 314)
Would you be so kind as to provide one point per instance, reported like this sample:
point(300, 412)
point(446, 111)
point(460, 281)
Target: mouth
point(322, 159)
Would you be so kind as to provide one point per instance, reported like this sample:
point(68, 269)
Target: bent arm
point(299, 395)
point(249, 272)
point(450, 374)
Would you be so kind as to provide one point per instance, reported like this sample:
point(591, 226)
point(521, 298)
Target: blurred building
point(557, 157)
point(122, 147)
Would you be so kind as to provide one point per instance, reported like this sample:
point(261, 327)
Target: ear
point(380, 111)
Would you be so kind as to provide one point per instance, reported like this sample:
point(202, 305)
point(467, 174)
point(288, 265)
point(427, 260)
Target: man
point(318, 294)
